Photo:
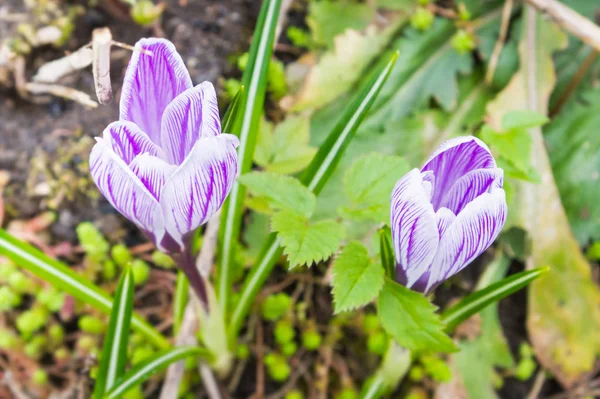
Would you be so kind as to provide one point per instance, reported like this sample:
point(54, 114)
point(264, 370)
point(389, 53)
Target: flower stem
point(187, 263)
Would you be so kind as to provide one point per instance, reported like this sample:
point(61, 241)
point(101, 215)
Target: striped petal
point(454, 159)
point(471, 233)
point(193, 114)
point(127, 140)
point(151, 83)
point(125, 192)
point(414, 228)
point(197, 189)
point(152, 172)
point(471, 186)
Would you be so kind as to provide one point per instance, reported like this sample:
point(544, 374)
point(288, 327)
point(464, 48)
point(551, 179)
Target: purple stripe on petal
point(444, 217)
point(127, 140)
point(125, 192)
point(193, 114)
point(198, 188)
point(471, 233)
point(152, 172)
point(471, 186)
point(151, 83)
point(414, 229)
point(453, 159)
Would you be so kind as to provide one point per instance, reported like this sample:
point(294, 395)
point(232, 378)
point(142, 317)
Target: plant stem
point(187, 263)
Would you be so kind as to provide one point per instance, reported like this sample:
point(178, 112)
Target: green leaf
point(356, 278)
point(305, 242)
point(281, 192)
point(65, 279)
point(478, 300)
point(514, 146)
point(246, 126)
point(327, 19)
point(411, 319)
point(180, 300)
point(315, 177)
point(143, 371)
point(369, 182)
point(523, 119)
point(386, 252)
point(232, 112)
point(114, 350)
point(284, 149)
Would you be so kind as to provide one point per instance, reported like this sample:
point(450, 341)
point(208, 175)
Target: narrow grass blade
point(386, 251)
point(315, 177)
point(180, 300)
point(246, 127)
point(153, 365)
point(65, 279)
point(478, 300)
point(114, 350)
point(232, 111)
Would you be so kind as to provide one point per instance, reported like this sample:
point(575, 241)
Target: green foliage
point(163, 260)
point(411, 319)
point(92, 240)
point(92, 324)
point(284, 149)
point(51, 298)
point(328, 19)
point(242, 351)
point(276, 306)
point(437, 368)
point(145, 12)
point(306, 242)
point(8, 299)
point(356, 278)
point(527, 365)
point(277, 367)
point(279, 192)
point(422, 19)
point(140, 271)
point(39, 377)
point(295, 394)
point(32, 320)
point(284, 332)
point(276, 79)
point(368, 183)
point(311, 340)
point(299, 37)
point(8, 339)
point(463, 42)
point(121, 255)
point(377, 343)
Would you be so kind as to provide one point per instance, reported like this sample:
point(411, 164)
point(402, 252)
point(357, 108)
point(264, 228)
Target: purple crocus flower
point(165, 164)
point(446, 214)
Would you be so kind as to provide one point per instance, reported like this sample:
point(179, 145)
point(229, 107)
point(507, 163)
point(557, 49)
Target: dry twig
point(495, 57)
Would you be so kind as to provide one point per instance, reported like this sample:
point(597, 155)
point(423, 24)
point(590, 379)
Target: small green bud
point(299, 37)
point(61, 354)
point(463, 12)
point(6, 269)
point(8, 299)
point(242, 351)
point(232, 87)
point(242, 62)
point(51, 298)
point(276, 79)
point(8, 339)
point(347, 393)
point(295, 394)
point(311, 340)
point(141, 353)
point(56, 333)
point(463, 42)
point(437, 368)
point(371, 323)
point(422, 19)
point(121, 255)
point(593, 252)
point(140, 271)
point(284, 332)
point(525, 350)
point(525, 369)
point(145, 12)
point(377, 343)
point(417, 393)
point(32, 320)
point(163, 260)
point(289, 348)
point(278, 368)
point(276, 306)
point(109, 271)
point(35, 347)
point(39, 377)
point(20, 283)
point(416, 373)
point(87, 343)
point(92, 325)
point(91, 239)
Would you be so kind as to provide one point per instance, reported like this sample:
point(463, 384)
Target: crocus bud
point(165, 164)
point(446, 214)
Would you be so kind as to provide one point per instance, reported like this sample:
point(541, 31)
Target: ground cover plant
point(290, 199)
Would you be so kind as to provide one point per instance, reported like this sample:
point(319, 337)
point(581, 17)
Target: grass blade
point(180, 300)
point(232, 111)
point(154, 364)
point(246, 127)
point(386, 251)
point(315, 177)
point(114, 350)
point(478, 300)
point(65, 279)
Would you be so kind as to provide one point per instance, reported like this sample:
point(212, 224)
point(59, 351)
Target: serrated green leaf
point(411, 319)
point(356, 278)
point(284, 149)
point(305, 242)
point(512, 145)
point(114, 350)
point(523, 119)
point(280, 192)
point(326, 19)
point(368, 184)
